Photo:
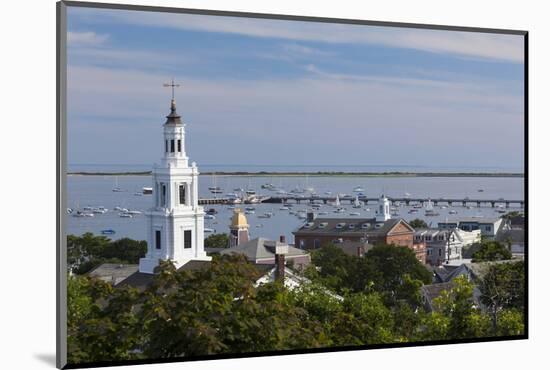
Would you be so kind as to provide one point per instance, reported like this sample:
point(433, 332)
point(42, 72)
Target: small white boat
point(328, 192)
point(125, 215)
point(453, 212)
point(99, 210)
point(249, 212)
point(69, 210)
point(430, 209)
point(147, 190)
point(284, 209)
point(82, 214)
point(339, 210)
point(130, 212)
point(207, 230)
point(238, 190)
point(355, 214)
point(209, 217)
point(407, 195)
point(266, 215)
point(250, 209)
point(358, 189)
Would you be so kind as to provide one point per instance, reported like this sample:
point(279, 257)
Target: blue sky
point(274, 92)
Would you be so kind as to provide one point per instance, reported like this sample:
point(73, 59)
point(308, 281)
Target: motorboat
point(138, 194)
point(99, 210)
point(266, 215)
point(208, 230)
point(125, 215)
point(339, 210)
point(69, 210)
point(249, 212)
point(358, 189)
point(211, 211)
point(284, 209)
point(130, 212)
point(238, 190)
point(147, 190)
point(355, 214)
point(82, 214)
point(453, 212)
point(209, 217)
point(413, 211)
point(108, 232)
point(250, 209)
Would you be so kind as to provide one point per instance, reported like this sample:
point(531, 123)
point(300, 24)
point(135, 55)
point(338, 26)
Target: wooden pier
point(393, 200)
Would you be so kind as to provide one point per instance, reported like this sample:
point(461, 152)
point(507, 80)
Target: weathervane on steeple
point(172, 85)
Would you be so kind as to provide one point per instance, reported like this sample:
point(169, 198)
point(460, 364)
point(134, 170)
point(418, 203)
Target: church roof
point(261, 248)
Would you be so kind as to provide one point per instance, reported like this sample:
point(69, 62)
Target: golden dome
point(238, 219)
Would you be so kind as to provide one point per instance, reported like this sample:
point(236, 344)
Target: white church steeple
point(175, 222)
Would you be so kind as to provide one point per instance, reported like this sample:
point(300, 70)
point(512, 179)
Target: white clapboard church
point(175, 222)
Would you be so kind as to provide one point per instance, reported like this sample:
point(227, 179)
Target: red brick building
point(320, 231)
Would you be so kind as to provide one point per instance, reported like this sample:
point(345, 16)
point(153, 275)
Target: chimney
point(311, 216)
point(281, 248)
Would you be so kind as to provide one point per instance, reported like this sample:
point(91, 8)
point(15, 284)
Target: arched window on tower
point(182, 193)
point(179, 145)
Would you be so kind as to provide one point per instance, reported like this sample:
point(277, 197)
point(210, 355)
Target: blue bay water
point(97, 191)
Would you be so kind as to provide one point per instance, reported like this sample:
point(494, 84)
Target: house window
point(302, 243)
point(157, 239)
point(187, 239)
point(179, 145)
point(172, 148)
point(182, 194)
point(440, 253)
point(316, 243)
point(487, 228)
point(166, 146)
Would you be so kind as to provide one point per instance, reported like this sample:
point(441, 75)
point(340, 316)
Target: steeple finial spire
point(172, 85)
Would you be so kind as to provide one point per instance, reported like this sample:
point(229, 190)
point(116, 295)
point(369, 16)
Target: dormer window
point(366, 225)
point(308, 225)
point(340, 225)
point(322, 225)
point(351, 226)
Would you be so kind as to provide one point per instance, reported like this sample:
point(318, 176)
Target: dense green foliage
point(89, 251)
point(217, 241)
point(221, 310)
point(489, 250)
point(418, 223)
point(392, 271)
point(502, 288)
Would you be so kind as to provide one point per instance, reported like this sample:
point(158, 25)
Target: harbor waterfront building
point(175, 222)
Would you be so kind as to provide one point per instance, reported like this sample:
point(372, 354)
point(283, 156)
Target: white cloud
point(464, 44)
point(85, 38)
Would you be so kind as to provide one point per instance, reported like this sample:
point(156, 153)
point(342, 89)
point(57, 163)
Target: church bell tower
point(175, 221)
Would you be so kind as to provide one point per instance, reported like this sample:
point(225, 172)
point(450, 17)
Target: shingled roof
point(259, 248)
point(361, 226)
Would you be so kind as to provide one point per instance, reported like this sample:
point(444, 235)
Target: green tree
point(217, 241)
point(465, 319)
point(491, 251)
point(503, 287)
point(399, 273)
point(418, 223)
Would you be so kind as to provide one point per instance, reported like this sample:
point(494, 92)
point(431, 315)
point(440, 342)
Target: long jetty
point(366, 200)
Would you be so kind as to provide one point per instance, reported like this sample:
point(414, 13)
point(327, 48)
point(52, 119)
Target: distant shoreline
point(317, 174)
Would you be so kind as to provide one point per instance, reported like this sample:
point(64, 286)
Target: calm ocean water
point(298, 168)
point(97, 191)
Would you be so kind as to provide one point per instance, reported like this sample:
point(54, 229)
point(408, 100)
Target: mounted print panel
point(237, 185)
